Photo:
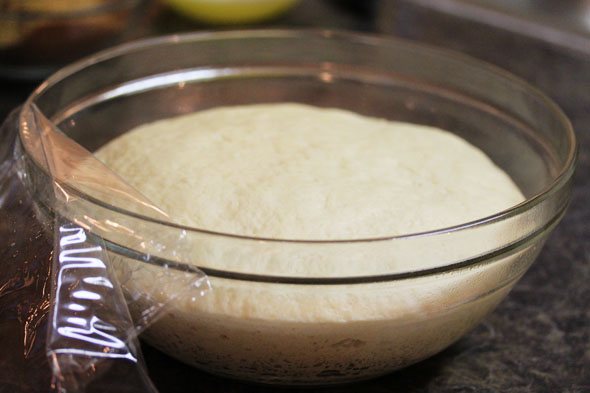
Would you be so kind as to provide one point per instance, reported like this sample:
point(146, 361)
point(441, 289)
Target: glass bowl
point(267, 321)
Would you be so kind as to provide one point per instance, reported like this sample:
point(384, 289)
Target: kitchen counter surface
point(538, 340)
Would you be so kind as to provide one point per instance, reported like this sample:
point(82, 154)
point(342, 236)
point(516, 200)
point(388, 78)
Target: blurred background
point(37, 37)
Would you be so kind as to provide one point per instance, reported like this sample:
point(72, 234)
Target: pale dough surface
point(299, 172)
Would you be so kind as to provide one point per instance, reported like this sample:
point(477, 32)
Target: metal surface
point(560, 22)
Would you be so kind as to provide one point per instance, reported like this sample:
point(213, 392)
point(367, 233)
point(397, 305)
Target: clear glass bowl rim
point(559, 181)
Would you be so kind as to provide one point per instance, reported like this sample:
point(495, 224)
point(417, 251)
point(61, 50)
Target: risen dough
point(294, 171)
point(301, 172)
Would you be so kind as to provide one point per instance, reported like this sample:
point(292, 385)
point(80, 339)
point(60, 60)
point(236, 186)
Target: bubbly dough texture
point(300, 172)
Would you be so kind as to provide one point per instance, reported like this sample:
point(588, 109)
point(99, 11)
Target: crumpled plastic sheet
point(65, 324)
point(25, 286)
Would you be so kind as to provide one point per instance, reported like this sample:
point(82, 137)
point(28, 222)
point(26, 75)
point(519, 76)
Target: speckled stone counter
point(538, 340)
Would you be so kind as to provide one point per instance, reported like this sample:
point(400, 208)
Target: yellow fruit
point(231, 11)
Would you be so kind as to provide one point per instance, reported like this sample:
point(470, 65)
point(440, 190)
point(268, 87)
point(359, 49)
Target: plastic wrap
point(93, 316)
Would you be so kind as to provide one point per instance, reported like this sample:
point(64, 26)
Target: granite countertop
point(538, 340)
